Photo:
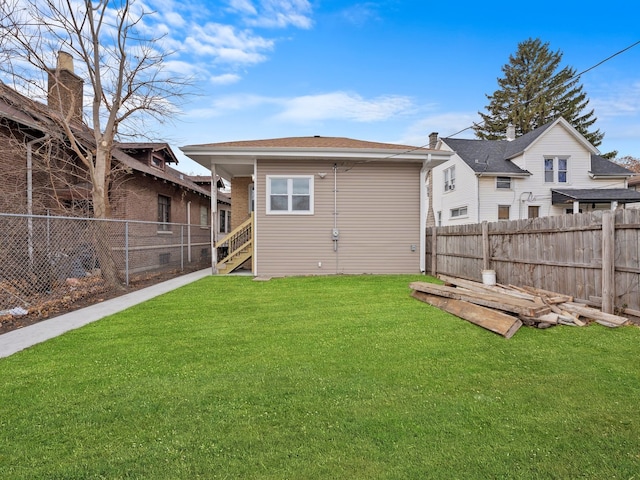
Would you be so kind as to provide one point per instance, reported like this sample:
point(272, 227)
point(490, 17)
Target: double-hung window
point(164, 212)
point(450, 178)
point(290, 195)
point(556, 170)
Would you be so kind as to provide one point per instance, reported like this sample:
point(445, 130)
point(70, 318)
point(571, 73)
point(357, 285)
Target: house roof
point(485, 156)
point(153, 146)
point(37, 116)
point(494, 156)
point(594, 195)
point(601, 166)
point(316, 141)
point(233, 159)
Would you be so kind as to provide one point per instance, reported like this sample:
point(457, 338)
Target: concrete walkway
point(16, 340)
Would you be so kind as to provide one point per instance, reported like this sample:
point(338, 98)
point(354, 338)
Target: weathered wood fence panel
point(595, 257)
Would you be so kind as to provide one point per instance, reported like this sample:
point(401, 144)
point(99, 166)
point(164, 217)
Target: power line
point(577, 75)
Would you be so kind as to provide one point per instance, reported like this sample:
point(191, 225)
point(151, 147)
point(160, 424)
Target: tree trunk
point(101, 209)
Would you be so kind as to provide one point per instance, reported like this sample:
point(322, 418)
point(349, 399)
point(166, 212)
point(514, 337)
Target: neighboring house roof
point(485, 156)
point(153, 146)
point(494, 156)
point(601, 166)
point(35, 115)
point(595, 195)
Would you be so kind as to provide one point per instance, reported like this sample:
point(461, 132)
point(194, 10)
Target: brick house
point(41, 175)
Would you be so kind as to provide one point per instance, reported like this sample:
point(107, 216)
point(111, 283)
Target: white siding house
point(552, 170)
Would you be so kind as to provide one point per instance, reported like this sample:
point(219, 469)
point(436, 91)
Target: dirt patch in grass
point(74, 294)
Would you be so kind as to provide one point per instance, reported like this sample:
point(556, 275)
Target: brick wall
point(240, 200)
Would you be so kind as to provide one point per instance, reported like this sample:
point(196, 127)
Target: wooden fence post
point(434, 256)
point(485, 246)
point(608, 261)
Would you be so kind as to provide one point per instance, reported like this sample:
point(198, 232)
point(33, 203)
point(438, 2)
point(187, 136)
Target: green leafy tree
point(534, 92)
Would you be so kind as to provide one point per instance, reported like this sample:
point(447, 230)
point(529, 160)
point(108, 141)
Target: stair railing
point(233, 242)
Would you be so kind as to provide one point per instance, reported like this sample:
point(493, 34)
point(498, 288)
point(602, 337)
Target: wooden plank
point(481, 287)
point(552, 297)
point(594, 314)
point(499, 302)
point(496, 322)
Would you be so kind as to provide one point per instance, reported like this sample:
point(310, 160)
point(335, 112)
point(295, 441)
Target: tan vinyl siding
point(378, 218)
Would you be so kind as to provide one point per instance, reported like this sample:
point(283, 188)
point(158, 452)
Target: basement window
point(458, 212)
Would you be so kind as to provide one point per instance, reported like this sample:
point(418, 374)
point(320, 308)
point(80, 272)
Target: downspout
point(335, 233)
point(214, 220)
point(521, 202)
point(189, 231)
point(423, 214)
point(30, 194)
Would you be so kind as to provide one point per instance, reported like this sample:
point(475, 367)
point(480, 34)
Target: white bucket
point(489, 277)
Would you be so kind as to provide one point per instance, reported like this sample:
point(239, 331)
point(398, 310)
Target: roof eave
point(246, 153)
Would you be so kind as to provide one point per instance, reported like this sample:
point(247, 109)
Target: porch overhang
point(594, 195)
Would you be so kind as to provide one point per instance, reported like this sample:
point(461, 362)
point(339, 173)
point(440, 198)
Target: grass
point(315, 378)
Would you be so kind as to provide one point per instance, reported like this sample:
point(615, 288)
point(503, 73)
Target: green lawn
point(343, 377)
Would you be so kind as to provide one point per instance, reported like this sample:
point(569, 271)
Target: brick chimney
point(433, 140)
point(65, 89)
point(511, 133)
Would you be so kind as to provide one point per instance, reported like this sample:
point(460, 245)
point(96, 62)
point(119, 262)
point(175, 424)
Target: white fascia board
point(244, 154)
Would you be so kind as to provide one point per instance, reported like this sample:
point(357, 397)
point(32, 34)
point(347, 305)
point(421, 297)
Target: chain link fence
point(50, 260)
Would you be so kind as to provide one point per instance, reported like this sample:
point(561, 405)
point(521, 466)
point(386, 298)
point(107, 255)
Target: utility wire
point(577, 75)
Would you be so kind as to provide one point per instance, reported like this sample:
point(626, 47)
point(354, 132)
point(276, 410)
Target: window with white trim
point(556, 170)
point(503, 183)
point(290, 195)
point(450, 178)
point(503, 212)
point(458, 212)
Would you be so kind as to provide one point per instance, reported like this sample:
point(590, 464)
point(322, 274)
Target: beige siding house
point(323, 205)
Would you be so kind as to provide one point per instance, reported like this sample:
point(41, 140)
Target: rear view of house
point(325, 205)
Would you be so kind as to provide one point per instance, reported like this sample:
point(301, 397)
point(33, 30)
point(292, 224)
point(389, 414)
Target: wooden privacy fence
point(594, 257)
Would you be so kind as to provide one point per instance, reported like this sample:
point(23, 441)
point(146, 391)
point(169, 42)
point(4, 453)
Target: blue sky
point(386, 70)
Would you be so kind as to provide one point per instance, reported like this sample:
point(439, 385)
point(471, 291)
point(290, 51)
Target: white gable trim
point(571, 130)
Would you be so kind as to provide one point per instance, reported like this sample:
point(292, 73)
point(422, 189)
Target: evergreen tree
point(533, 92)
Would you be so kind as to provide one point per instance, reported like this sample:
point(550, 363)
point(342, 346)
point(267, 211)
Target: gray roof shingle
point(494, 156)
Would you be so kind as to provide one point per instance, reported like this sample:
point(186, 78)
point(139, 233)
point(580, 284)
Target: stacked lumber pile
point(503, 309)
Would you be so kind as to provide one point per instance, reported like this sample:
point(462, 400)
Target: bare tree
point(120, 64)
point(629, 162)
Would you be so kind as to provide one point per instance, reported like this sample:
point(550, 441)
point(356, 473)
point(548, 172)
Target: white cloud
point(227, 45)
point(445, 124)
point(617, 101)
point(276, 13)
point(243, 6)
point(225, 79)
point(313, 108)
point(343, 106)
point(361, 13)
point(175, 19)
